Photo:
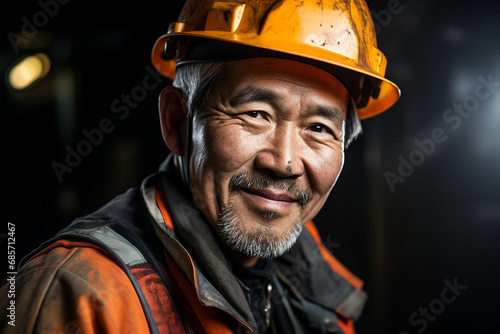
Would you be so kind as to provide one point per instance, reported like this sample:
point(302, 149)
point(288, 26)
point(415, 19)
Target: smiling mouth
point(270, 193)
point(269, 199)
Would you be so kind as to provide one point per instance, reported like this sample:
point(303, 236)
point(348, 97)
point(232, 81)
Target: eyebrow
point(334, 114)
point(253, 94)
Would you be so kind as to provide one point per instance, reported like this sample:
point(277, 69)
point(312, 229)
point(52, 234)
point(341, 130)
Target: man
point(266, 95)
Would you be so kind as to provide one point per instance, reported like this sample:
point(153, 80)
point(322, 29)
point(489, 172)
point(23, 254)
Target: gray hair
point(197, 80)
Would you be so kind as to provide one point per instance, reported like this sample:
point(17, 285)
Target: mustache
point(246, 181)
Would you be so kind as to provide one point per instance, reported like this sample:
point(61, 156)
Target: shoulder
point(73, 287)
point(86, 265)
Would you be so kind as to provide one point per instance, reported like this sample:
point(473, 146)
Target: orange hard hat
point(337, 36)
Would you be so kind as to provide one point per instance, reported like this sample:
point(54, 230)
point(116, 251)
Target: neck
point(242, 259)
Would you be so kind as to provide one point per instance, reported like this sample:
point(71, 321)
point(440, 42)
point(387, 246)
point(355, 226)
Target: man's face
point(267, 149)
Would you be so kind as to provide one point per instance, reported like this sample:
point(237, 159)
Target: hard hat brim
point(343, 68)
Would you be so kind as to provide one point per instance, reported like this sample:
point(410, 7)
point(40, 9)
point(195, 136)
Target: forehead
point(285, 78)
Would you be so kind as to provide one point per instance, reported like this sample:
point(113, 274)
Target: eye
point(319, 128)
point(255, 114)
point(322, 130)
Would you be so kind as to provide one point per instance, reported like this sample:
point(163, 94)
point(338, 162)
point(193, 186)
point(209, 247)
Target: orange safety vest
point(173, 292)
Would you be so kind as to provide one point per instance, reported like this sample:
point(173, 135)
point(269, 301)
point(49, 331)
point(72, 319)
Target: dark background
point(441, 223)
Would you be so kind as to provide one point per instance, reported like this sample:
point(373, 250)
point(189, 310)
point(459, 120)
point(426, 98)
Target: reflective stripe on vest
point(156, 297)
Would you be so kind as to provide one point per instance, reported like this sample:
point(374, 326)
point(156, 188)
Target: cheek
point(219, 151)
point(324, 167)
point(326, 171)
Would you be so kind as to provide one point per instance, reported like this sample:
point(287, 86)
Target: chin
point(262, 238)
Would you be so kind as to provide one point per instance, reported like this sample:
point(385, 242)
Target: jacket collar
point(194, 245)
point(202, 256)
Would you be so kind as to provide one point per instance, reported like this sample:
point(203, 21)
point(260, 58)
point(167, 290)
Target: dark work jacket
point(157, 227)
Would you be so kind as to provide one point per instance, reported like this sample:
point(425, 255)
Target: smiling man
point(266, 96)
point(269, 146)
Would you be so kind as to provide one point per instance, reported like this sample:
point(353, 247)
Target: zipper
point(267, 307)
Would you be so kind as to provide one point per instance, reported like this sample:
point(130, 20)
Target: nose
point(282, 154)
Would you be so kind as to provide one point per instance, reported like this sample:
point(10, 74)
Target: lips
point(269, 200)
point(271, 194)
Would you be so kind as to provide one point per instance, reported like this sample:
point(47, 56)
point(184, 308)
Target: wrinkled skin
point(270, 119)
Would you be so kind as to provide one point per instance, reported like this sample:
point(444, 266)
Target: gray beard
point(260, 243)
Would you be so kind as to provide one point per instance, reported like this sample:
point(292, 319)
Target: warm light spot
point(29, 70)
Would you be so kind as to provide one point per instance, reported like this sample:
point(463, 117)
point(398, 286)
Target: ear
point(173, 114)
